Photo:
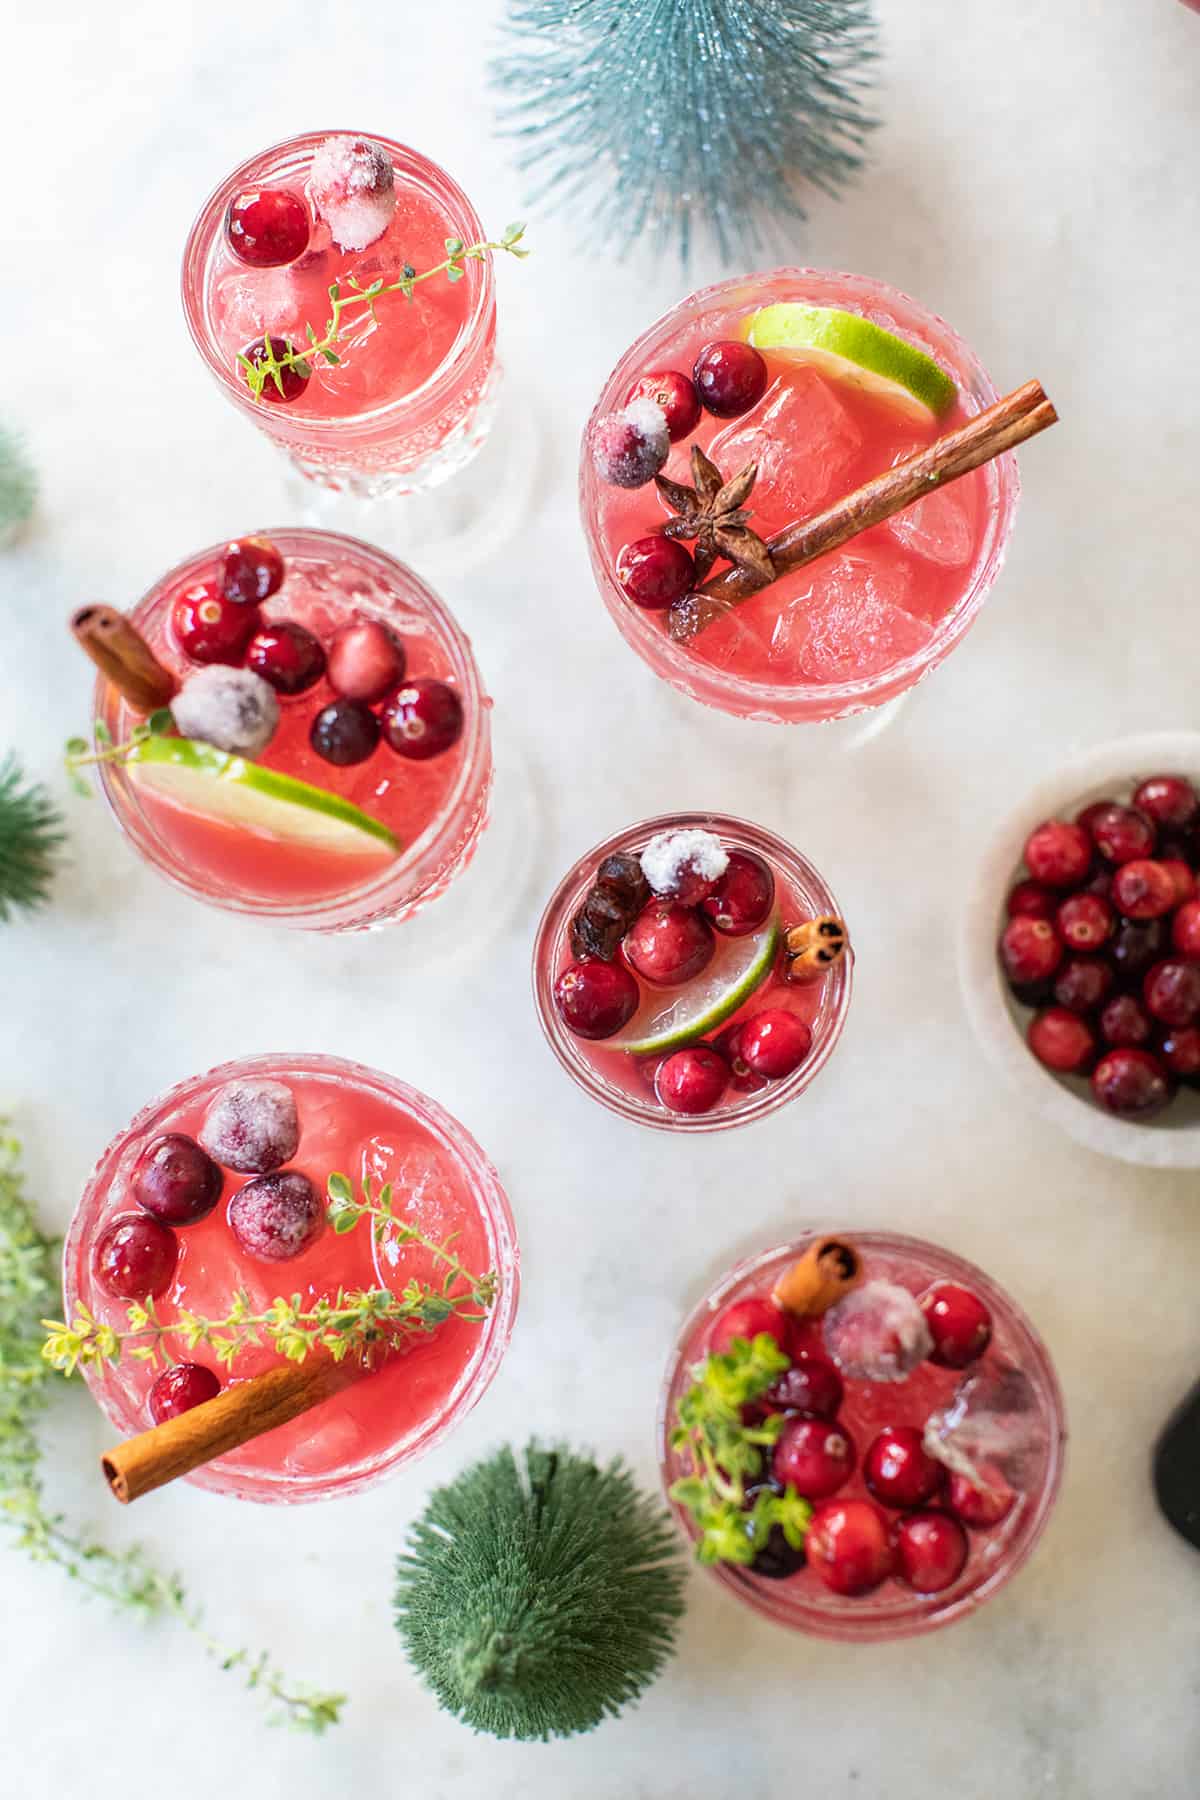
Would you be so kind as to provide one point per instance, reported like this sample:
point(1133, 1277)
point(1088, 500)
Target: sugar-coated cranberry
point(1131, 1083)
point(814, 1456)
point(252, 1125)
point(1083, 983)
point(692, 1080)
point(208, 627)
point(676, 393)
point(181, 1387)
point(135, 1257)
point(849, 1546)
point(1058, 853)
point(812, 1385)
point(655, 571)
point(749, 1319)
point(1085, 921)
point(1030, 950)
point(344, 733)
point(175, 1180)
point(741, 1076)
point(423, 719)
point(1169, 800)
point(276, 1216)
point(1124, 1023)
point(1185, 930)
point(668, 943)
point(251, 570)
point(594, 999)
point(287, 656)
point(366, 660)
point(743, 897)
point(730, 377)
point(1135, 945)
point(1180, 1052)
point(980, 1507)
point(1142, 889)
point(959, 1324)
point(1171, 991)
point(1181, 876)
point(931, 1551)
point(1062, 1040)
point(899, 1470)
point(267, 227)
point(283, 385)
point(1120, 834)
point(1032, 900)
point(774, 1043)
point(630, 447)
point(352, 185)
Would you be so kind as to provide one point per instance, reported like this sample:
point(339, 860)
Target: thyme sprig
point(79, 754)
point(352, 309)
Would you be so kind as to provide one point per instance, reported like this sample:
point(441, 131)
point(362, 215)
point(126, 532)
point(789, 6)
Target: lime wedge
point(854, 349)
point(243, 793)
point(666, 1021)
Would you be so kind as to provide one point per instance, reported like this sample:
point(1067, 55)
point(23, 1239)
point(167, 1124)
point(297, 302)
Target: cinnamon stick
point(237, 1414)
point(121, 653)
point(1013, 419)
point(829, 1268)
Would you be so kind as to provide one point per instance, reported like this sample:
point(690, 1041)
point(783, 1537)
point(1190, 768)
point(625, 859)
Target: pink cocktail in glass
point(359, 1123)
point(861, 625)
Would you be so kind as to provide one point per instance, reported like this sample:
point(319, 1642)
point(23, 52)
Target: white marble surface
point(1035, 181)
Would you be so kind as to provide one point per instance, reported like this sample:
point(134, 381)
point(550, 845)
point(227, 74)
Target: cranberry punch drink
point(758, 404)
point(692, 972)
point(282, 1207)
point(863, 1435)
point(319, 750)
point(340, 289)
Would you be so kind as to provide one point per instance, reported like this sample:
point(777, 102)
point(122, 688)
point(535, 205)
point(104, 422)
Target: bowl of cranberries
point(1081, 954)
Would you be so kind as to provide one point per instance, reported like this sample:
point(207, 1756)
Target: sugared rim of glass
point(494, 1210)
point(276, 164)
point(420, 860)
point(890, 1611)
point(551, 938)
point(780, 702)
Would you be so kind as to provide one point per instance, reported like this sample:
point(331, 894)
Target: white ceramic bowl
point(1172, 1139)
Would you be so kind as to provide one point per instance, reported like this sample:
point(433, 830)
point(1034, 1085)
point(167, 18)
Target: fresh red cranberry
point(959, 1324)
point(630, 447)
point(1185, 930)
point(849, 1546)
point(135, 1257)
point(1032, 900)
point(1030, 950)
point(208, 627)
point(812, 1386)
point(275, 1217)
point(655, 572)
point(980, 1507)
point(899, 1470)
point(286, 384)
point(1058, 853)
point(675, 392)
point(267, 227)
point(1083, 983)
point(366, 660)
point(423, 719)
point(1171, 991)
point(287, 656)
point(1120, 834)
point(344, 733)
point(814, 1456)
point(179, 1388)
point(1131, 1083)
point(1169, 800)
point(931, 1551)
point(1062, 1041)
point(775, 1042)
point(668, 943)
point(1136, 945)
point(743, 897)
point(1125, 1024)
point(251, 570)
point(730, 377)
point(1181, 876)
point(1180, 1052)
point(742, 1077)
point(692, 1080)
point(175, 1180)
point(1143, 890)
point(749, 1319)
point(1085, 921)
point(594, 999)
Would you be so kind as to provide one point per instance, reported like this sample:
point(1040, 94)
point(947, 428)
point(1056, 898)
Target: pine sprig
point(31, 834)
point(539, 1593)
point(18, 485)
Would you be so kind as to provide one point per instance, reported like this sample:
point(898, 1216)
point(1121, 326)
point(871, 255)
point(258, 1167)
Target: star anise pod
point(713, 512)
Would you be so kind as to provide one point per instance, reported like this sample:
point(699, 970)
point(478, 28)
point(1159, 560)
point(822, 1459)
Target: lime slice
point(243, 793)
point(666, 1021)
point(854, 349)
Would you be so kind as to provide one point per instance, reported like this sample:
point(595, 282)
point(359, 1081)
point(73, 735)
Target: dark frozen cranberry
point(599, 925)
point(730, 377)
point(1032, 900)
point(1083, 983)
point(594, 999)
point(276, 1216)
point(1169, 800)
point(287, 656)
point(366, 660)
point(1180, 1052)
point(135, 1258)
point(655, 572)
point(1062, 1041)
point(1058, 853)
point(931, 1551)
point(1131, 1083)
point(622, 875)
point(175, 1180)
point(344, 732)
point(1135, 946)
point(1125, 1024)
point(267, 227)
point(899, 1470)
point(812, 1385)
point(1120, 834)
point(1085, 921)
point(630, 447)
point(749, 1319)
point(774, 1043)
point(669, 944)
point(423, 719)
point(675, 393)
point(1182, 878)
point(692, 1080)
point(208, 627)
point(742, 1077)
point(251, 570)
point(1185, 930)
point(980, 1507)
point(959, 1323)
point(743, 897)
point(814, 1456)
point(179, 1388)
point(1030, 950)
point(1099, 882)
point(849, 1546)
point(285, 384)
point(775, 1559)
point(1171, 991)
point(1143, 890)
